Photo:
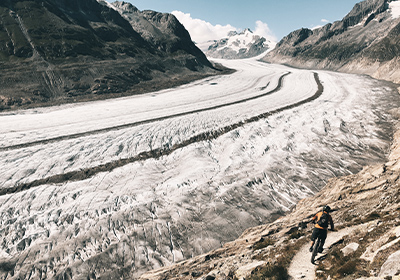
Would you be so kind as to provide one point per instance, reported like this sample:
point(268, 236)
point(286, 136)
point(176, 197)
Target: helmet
point(326, 208)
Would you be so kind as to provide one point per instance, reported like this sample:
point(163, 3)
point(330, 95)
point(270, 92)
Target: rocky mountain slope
point(239, 45)
point(58, 51)
point(366, 41)
point(161, 30)
point(366, 209)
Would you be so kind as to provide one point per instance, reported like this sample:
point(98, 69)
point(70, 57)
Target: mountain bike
point(317, 243)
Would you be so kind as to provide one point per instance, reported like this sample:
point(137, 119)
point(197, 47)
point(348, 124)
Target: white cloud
point(324, 21)
point(263, 30)
point(316, 27)
point(202, 31)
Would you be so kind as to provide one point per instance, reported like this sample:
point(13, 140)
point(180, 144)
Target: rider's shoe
point(311, 248)
point(320, 250)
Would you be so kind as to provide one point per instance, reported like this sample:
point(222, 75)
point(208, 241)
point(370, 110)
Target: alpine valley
point(159, 162)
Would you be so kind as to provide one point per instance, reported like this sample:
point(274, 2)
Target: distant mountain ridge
point(365, 41)
point(236, 45)
point(59, 51)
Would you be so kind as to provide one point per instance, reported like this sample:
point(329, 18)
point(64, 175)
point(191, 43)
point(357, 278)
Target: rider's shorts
point(322, 233)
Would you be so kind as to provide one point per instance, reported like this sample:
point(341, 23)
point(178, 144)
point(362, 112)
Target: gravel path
point(301, 266)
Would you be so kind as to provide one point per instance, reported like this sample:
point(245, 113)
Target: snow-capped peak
point(236, 45)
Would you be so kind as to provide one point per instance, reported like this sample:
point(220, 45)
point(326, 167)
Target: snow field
point(151, 213)
point(90, 151)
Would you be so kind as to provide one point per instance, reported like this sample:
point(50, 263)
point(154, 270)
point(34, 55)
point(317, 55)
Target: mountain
point(365, 41)
point(57, 51)
point(161, 30)
point(239, 45)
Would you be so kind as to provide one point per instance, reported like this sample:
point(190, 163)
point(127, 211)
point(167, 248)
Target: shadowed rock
point(62, 51)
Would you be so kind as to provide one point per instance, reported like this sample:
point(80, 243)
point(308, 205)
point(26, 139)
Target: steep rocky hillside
point(57, 51)
point(161, 30)
point(366, 244)
point(366, 41)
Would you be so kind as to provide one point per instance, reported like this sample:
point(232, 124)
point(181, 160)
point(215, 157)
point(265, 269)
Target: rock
point(196, 274)
point(392, 265)
point(245, 270)
point(351, 248)
point(161, 30)
point(396, 231)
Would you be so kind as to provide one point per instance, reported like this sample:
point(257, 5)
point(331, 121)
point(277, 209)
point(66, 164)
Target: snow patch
point(240, 41)
point(395, 9)
point(105, 3)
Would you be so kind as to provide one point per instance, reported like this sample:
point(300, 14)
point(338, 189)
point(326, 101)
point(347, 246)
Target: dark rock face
point(59, 29)
point(365, 41)
point(56, 51)
point(161, 30)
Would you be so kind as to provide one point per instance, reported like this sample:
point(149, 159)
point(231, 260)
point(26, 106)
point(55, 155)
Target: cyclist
point(321, 220)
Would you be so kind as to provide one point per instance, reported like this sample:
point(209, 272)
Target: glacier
point(126, 213)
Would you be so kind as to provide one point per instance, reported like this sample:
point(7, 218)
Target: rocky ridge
point(365, 41)
point(161, 30)
point(58, 51)
point(236, 45)
point(366, 209)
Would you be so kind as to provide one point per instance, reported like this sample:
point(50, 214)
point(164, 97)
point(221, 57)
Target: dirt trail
point(301, 266)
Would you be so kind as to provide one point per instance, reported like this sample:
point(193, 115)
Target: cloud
point(263, 30)
point(202, 31)
point(313, 27)
point(324, 21)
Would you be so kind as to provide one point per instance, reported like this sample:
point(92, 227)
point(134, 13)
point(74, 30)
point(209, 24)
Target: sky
point(207, 19)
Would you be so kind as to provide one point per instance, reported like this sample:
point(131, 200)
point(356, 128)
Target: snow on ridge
point(240, 41)
point(395, 9)
point(105, 3)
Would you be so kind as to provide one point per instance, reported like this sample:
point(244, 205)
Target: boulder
point(351, 248)
point(392, 265)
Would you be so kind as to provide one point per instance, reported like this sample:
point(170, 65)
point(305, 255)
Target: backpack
point(323, 221)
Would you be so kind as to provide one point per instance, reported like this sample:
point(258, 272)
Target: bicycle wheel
point(315, 250)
